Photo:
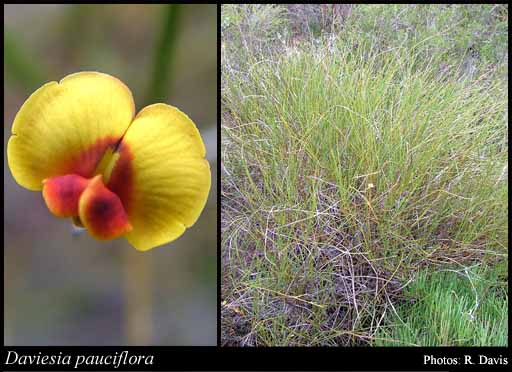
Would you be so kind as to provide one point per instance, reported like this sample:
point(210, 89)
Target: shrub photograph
point(364, 175)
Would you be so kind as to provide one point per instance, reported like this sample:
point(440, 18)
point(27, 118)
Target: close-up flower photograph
point(110, 144)
point(233, 186)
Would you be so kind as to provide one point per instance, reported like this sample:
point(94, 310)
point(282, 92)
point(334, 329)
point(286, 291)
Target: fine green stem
point(138, 298)
point(160, 82)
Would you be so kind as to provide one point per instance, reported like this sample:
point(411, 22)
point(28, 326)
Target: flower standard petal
point(169, 179)
point(65, 128)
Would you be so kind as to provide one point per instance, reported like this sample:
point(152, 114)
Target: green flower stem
point(160, 83)
point(138, 297)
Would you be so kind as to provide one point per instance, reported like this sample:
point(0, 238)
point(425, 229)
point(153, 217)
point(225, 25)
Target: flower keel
point(102, 212)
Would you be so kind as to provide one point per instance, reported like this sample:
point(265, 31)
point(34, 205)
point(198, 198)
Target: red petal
point(62, 194)
point(102, 212)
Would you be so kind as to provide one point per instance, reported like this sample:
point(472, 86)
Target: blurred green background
point(64, 289)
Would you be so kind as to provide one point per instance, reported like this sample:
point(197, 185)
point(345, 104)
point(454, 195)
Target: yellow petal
point(170, 179)
point(66, 127)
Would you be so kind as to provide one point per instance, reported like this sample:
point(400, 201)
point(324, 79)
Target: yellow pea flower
point(144, 176)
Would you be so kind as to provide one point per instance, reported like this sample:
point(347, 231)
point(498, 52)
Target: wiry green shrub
point(346, 168)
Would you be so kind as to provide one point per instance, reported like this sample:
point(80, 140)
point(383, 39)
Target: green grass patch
point(450, 308)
